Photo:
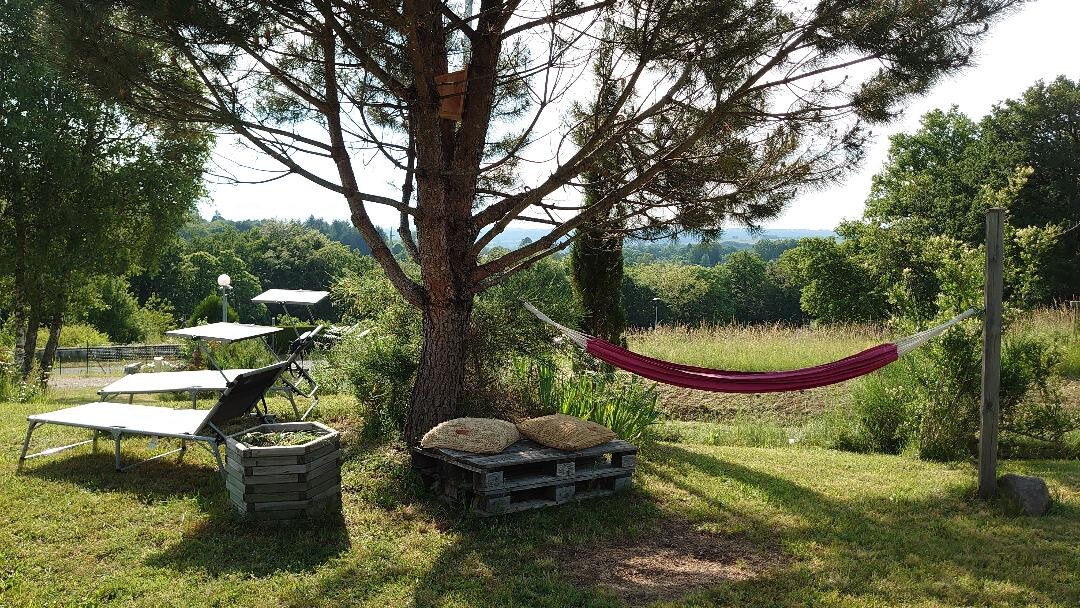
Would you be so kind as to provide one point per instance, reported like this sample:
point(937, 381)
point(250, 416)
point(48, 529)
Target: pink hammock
point(689, 376)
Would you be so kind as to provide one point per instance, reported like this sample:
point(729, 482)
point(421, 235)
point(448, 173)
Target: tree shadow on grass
point(873, 546)
point(225, 543)
point(521, 558)
point(150, 482)
point(222, 542)
point(545, 557)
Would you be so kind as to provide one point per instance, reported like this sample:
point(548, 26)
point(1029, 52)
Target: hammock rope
point(702, 378)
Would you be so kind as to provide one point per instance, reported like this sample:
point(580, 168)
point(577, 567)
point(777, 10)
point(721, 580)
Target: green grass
point(1063, 325)
point(834, 529)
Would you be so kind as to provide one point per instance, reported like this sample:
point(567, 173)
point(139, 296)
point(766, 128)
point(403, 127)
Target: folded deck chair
point(298, 351)
point(203, 427)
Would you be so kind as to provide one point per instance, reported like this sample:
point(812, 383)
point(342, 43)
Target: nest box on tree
point(451, 89)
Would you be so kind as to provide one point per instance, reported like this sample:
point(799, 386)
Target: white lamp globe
point(224, 280)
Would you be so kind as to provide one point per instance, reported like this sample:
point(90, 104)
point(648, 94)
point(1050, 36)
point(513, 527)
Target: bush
point(880, 406)
point(75, 335)
point(246, 354)
point(113, 310)
point(14, 388)
point(377, 365)
point(931, 399)
point(156, 317)
point(209, 311)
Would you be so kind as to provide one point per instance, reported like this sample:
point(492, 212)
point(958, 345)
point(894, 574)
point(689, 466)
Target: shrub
point(8, 379)
point(14, 388)
point(932, 398)
point(501, 329)
point(246, 354)
point(113, 310)
point(377, 365)
point(380, 366)
point(880, 405)
point(209, 310)
point(75, 335)
point(156, 317)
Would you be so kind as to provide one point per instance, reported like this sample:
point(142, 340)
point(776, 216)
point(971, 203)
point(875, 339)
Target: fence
point(111, 360)
point(116, 360)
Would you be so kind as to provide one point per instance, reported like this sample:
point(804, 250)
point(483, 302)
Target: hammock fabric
point(689, 376)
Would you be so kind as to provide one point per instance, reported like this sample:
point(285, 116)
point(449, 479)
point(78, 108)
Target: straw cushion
point(478, 435)
point(565, 432)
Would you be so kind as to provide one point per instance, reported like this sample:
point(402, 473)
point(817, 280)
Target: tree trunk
point(49, 354)
point(33, 322)
point(19, 318)
point(19, 302)
point(596, 262)
point(440, 379)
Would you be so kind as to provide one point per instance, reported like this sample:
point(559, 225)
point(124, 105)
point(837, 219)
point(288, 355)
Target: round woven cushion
point(565, 432)
point(478, 435)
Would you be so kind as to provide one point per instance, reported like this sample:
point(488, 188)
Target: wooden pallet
point(526, 475)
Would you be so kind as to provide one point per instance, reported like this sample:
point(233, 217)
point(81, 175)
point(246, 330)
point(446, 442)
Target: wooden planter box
point(284, 483)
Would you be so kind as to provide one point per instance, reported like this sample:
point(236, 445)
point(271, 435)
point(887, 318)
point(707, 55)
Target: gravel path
point(79, 381)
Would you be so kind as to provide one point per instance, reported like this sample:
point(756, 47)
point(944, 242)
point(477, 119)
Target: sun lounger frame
point(286, 386)
point(210, 441)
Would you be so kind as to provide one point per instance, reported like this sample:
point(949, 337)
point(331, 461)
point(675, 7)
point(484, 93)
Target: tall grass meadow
point(765, 347)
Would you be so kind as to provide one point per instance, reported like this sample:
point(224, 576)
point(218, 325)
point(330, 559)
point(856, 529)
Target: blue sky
point(1038, 42)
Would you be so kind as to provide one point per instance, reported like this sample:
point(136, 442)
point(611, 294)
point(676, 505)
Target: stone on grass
point(1029, 493)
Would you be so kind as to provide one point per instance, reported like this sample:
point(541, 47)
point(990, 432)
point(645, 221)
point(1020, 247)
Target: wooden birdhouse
point(451, 90)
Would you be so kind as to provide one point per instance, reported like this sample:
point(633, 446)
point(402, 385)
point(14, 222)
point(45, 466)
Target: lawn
point(705, 525)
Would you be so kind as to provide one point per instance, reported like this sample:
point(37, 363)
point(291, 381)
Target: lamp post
point(225, 283)
point(655, 312)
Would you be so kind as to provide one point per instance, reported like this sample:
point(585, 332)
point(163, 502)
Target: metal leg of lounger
point(290, 390)
point(23, 456)
point(116, 451)
point(25, 446)
point(314, 397)
point(215, 450)
point(217, 456)
point(158, 456)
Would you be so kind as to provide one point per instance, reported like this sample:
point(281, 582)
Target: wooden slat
point(539, 481)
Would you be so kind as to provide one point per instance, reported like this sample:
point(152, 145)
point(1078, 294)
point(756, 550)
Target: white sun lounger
point(209, 380)
point(224, 332)
point(200, 426)
point(194, 382)
point(296, 297)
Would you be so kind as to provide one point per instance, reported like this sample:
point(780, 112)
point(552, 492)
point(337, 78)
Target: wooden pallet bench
point(526, 475)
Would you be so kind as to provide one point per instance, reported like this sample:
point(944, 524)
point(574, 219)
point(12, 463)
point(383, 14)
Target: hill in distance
point(512, 237)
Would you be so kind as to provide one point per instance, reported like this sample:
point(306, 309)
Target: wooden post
point(991, 370)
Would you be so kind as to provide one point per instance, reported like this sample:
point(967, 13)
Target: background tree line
point(925, 208)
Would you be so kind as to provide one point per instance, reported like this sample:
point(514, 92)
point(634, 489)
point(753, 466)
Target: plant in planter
point(283, 472)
